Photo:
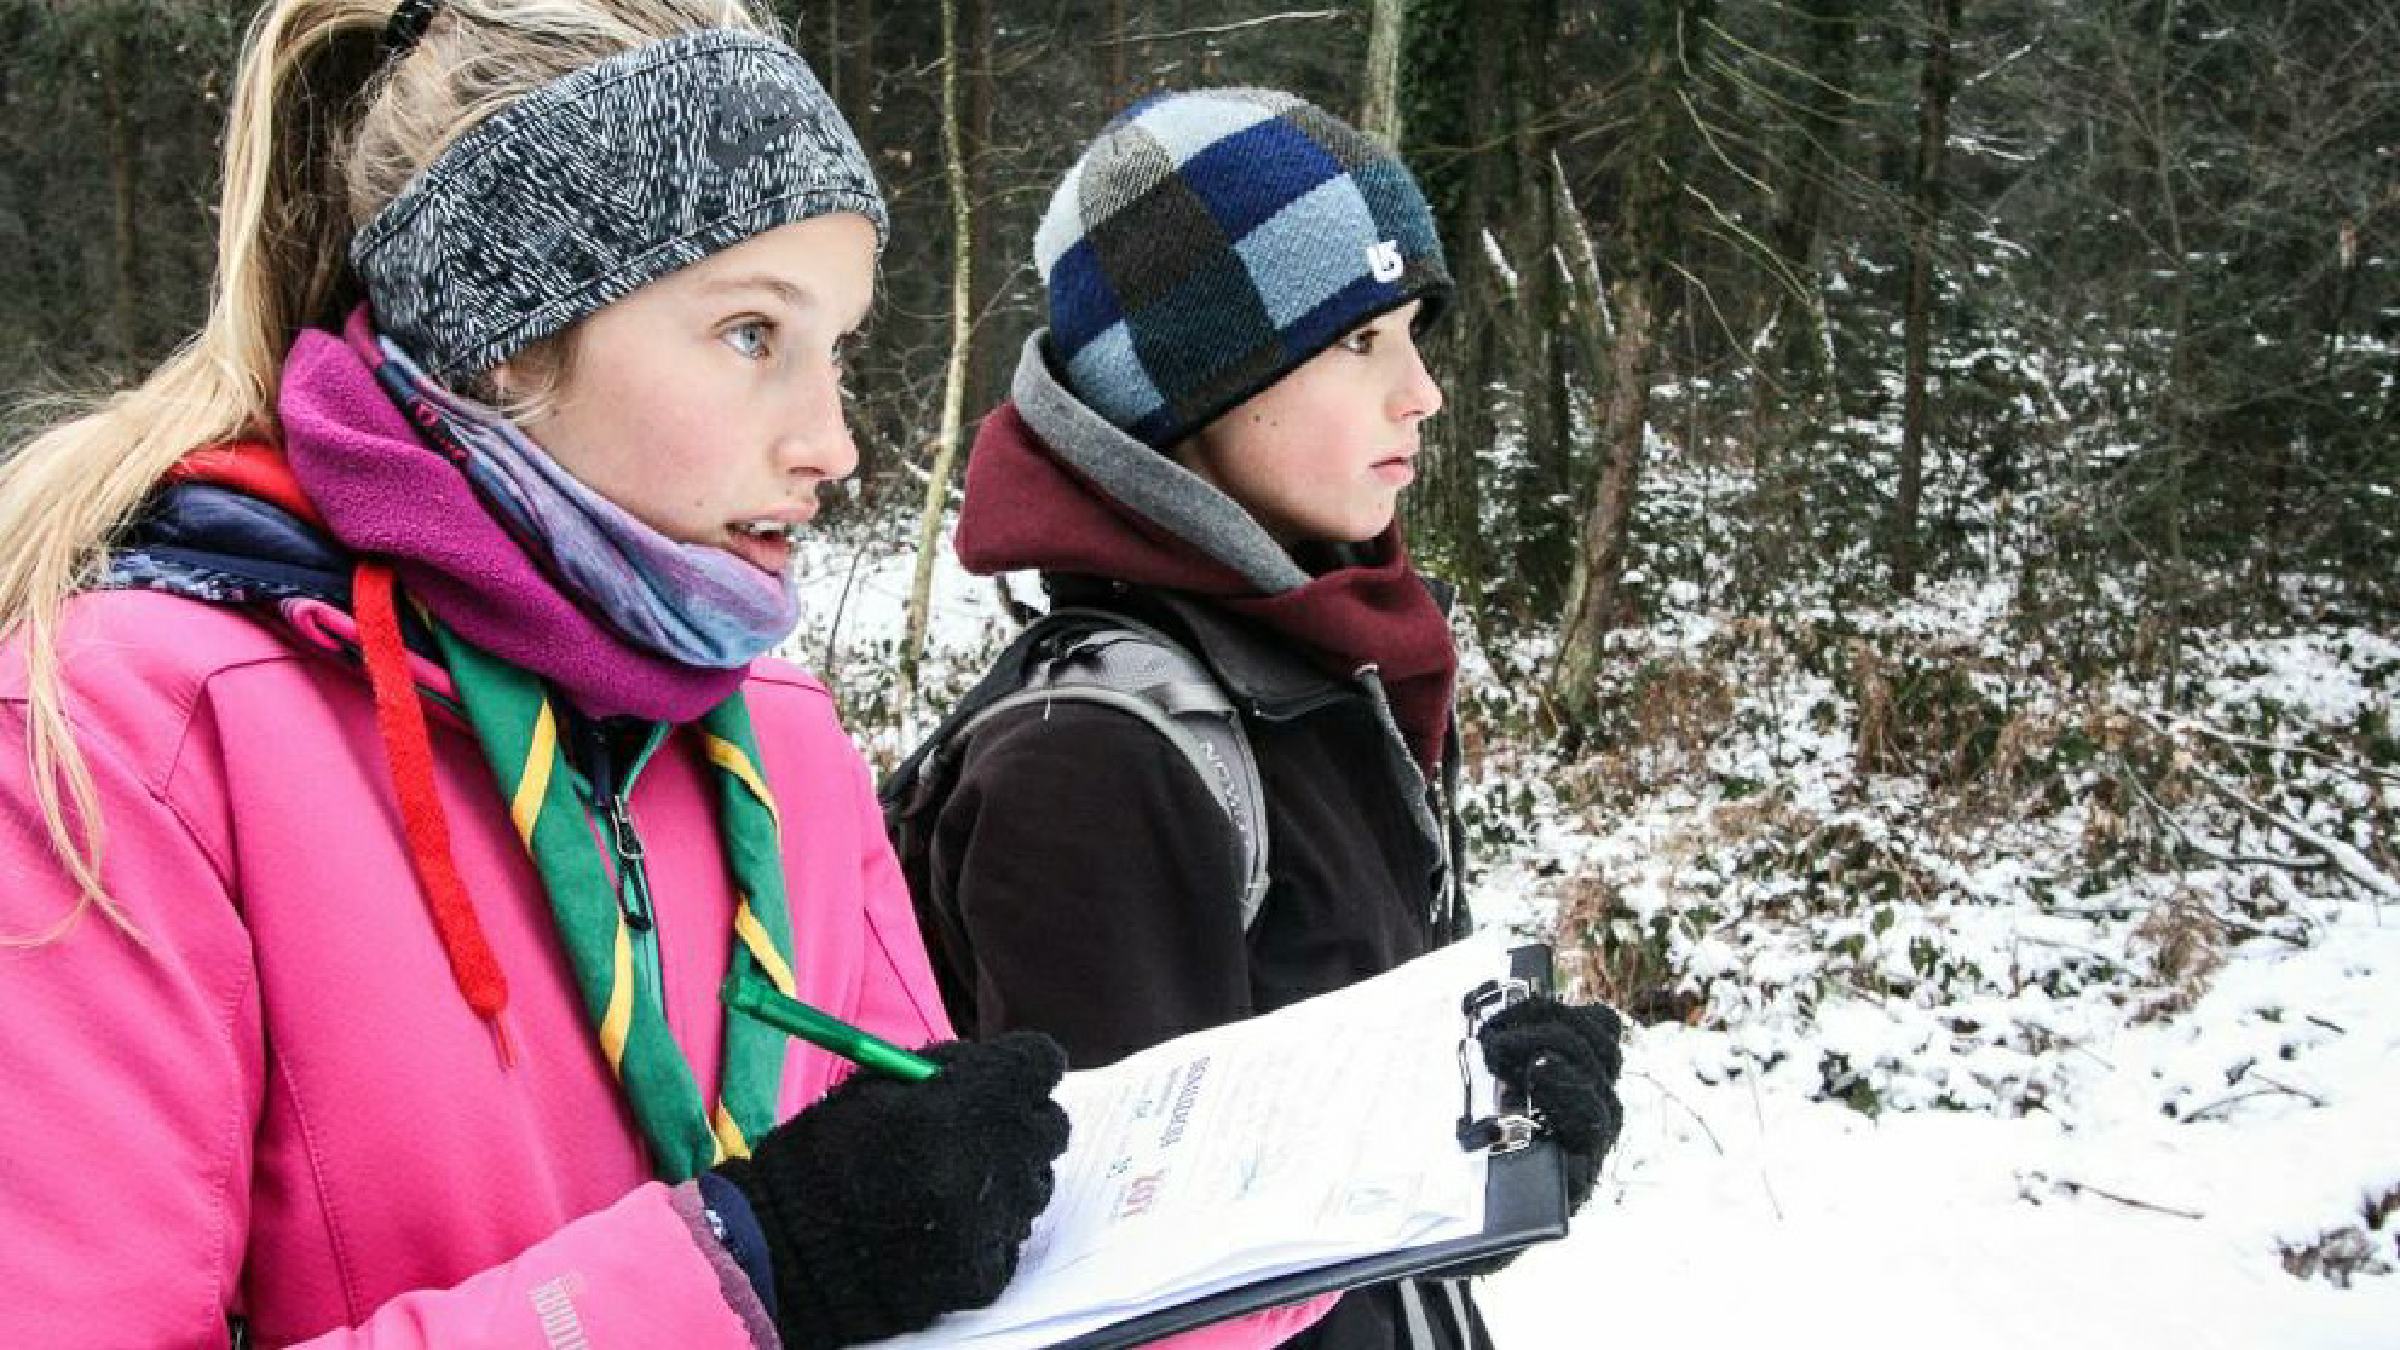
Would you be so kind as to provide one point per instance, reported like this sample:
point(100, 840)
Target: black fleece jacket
point(1090, 882)
point(1076, 876)
point(1091, 885)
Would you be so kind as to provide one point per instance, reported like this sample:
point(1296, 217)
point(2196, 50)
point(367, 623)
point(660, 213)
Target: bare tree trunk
point(1588, 302)
point(954, 380)
point(1379, 107)
point(2175, 393)
point(836, 70)
point(1119, 91)
point(1925, 209)
point(1455, 497)
point(1545, 489)
point(988, 377)
point(1448, 94)
point(1648, 223)
point(1592, 599)
point(1791, 321)
point(857, 100)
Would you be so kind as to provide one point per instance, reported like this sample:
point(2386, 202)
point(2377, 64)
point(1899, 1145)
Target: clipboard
point(1525, 1198)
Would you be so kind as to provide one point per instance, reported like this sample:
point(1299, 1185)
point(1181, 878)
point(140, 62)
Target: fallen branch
point(1697, 1118)
point(1758, 1112)
point(2347, 860)
point(2058, 944)
point(2223, 737)
point(2206, 850)
point(2271, 1089)
point(2302, 1093)
point(2074, 1187)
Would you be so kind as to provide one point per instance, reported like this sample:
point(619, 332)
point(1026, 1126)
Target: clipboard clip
point(1504, 1123)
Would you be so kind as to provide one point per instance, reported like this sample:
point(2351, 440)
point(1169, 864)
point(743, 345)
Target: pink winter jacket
point(272, 1101)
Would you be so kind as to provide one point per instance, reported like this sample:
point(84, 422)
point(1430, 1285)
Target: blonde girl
point(390, 777)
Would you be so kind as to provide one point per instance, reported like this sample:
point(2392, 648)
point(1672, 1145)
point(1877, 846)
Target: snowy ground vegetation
point(1963, 987)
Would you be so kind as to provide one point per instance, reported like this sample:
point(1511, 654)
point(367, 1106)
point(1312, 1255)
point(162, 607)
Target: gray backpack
point(1096, 656)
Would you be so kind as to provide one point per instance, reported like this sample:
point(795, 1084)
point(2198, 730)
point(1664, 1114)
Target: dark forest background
point(1922, 474)
point(1763, 302)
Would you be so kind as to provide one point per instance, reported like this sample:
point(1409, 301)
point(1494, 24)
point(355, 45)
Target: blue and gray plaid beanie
point(1208, 242)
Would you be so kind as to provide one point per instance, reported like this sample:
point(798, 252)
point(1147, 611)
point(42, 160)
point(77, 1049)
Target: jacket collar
point(1058, 490)
point(1146, 482)
point(224, 545)
point(1259, 670)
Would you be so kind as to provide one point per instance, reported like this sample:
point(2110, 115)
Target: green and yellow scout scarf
point(519, 728)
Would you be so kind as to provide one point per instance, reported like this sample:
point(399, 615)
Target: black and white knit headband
point(599, 183)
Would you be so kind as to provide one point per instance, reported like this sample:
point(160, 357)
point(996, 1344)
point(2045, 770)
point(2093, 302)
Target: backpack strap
point(1007, 675)
point(1105, 658)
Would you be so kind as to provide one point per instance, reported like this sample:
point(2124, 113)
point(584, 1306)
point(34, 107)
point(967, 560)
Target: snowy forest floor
point(1973, 1009)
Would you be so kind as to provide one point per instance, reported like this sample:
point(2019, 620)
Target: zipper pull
point(628, 846)
point(620, 829)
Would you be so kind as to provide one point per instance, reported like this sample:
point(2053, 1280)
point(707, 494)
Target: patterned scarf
point(519, 728)
point(384, 493)
point(692, 604)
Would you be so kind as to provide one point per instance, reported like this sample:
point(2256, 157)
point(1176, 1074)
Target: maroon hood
point(1053, 488)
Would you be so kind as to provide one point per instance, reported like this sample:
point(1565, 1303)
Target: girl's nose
point(818, 441)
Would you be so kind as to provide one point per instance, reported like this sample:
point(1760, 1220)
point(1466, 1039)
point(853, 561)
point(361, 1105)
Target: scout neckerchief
point(519, 729)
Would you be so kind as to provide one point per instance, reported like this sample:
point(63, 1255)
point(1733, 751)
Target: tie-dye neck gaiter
point(690, 603)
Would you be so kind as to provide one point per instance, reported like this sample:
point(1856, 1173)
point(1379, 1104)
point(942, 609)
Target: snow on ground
point(2316, 679)
point(1980, 1114)
point(2059, 1153)
point(1742, 1213)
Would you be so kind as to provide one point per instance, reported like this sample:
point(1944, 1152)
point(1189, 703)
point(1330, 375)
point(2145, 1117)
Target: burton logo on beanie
point(1208, 242)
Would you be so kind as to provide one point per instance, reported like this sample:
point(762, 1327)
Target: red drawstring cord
point(409, 749)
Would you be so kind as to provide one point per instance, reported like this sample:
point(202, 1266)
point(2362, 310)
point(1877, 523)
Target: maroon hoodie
point(1093, 502)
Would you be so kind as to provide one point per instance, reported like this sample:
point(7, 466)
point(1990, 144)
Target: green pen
point(747, 993)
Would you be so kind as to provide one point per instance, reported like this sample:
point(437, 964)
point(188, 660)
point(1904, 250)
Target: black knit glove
point(1565, 1059)
point(888, 1204)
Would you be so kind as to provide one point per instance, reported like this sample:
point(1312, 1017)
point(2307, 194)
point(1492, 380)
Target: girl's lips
point(772, 556)
point(770, 553)
point(1396, 472)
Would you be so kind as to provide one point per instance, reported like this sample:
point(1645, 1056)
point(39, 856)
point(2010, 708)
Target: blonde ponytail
point(319, 136)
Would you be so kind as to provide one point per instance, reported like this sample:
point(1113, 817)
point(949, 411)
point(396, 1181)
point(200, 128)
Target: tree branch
point(1211, 29)
point(2209, 851)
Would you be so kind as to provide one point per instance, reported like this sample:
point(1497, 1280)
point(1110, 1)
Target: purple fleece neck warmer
point(383, 491)
point(691, 603)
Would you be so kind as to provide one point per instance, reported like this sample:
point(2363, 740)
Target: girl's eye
point(749, 338)
point(1361, 342)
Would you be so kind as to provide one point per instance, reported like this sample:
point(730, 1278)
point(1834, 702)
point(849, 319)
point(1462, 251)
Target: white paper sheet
point(1317, 1134)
